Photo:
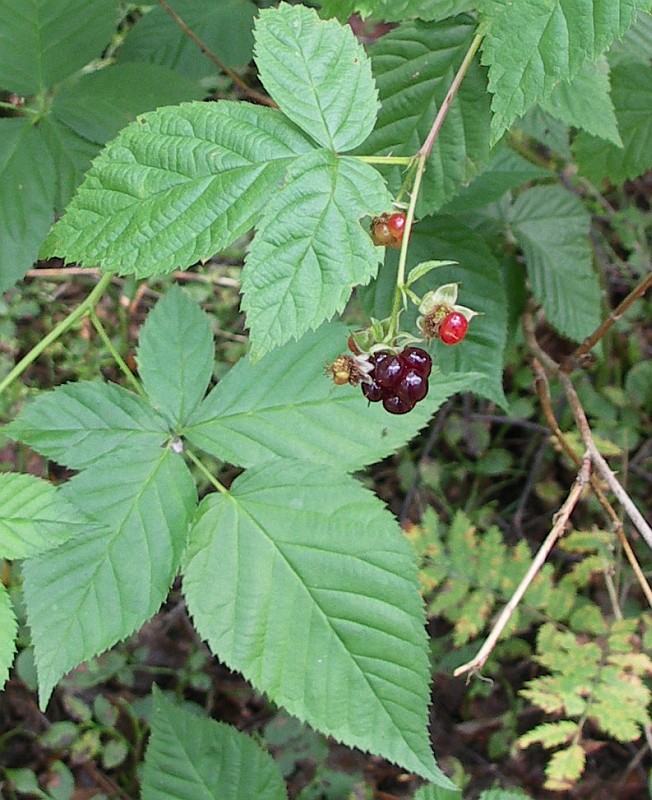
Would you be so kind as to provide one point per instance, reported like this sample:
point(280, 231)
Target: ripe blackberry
point(400, 380)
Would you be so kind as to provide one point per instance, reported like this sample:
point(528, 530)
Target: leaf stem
point(20, 110)
point(56, 332)
point(206, 473)
point(385, 159)
point(119, 360)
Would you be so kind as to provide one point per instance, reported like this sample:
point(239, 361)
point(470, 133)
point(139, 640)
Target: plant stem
point(88, 304)
point(384, 159)
point(119, 360)
point(205, 472)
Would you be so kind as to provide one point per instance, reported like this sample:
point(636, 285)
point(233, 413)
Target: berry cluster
point(400, 380)
point(387, 230)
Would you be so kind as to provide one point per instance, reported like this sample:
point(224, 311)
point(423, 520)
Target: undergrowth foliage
point(296, 575)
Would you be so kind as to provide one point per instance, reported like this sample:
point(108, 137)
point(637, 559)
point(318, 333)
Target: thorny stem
point(561, 520)
point(237, 80)
point(81, 310)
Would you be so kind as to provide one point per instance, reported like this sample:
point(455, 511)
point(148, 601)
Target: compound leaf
point(284, 406)
point(8, 631)
point(175, 355)
point(632, 98)
point(532, 45)
point(44, 41)
point(27, 190)
point(318, 74)
point(414, 66)
point(225, 27)
point(101, 585)
point(175, 186)
point(194, 758)
point(341, 581)
point(310, 249)
point(34, 516)
point(552, 227)
point(78, 423)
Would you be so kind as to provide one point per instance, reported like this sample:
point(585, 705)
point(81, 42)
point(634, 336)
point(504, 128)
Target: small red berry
point(453, 328)
point(396, 225)
point(381, 233)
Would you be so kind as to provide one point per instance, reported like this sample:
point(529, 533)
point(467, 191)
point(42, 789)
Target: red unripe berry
point(396, 225)
point(453, 328)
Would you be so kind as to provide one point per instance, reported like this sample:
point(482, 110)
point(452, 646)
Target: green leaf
point(506, 170)
point(414, 66)
point(330, 562)
point(531, 45)
point(78, 423)
point(565, 768)
point(431, 792)
point(318, 74)
point(8, 631)
point(102, 585)
point(284, 406)
point(423, 269)
point(33, 516)
point(552, 227)
point(636, 44)
point(43, 41)
point(72, 155)
point(310, 249)
point(193, 758)
point(479, 358)
point(585, 102)
point(632, 98)
point(550, 734)
point(225, 27)
point(175, 355)
point(27, 189)
point(397, 10)
point(97, 105)
point(176, 186)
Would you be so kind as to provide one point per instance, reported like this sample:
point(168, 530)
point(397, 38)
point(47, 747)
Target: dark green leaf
point(193, 758)
point(397, 10)
point(8, 630)
point(71, 155)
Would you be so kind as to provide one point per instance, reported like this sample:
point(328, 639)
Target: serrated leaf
point(101, 585)
point(72, 155)
point(176, 355)
point(531, 45)
point(329, 560)
point(565, 768)
point(33, 516)
point(284, 406)
point(397, 10)
point(78, 423)
point(632, 97)
point(98, 104)
point(176, 186)
point(585, 102)
point(193, 758)
point(43, 41)
point(225, 27)
point(549, 734)
point(414, 66)
point(636, 44)
point(318, 74)
point(431, 792)
point(482, 289)
point(551, 132)
point(310, 249)
point(552, 227)
point(27, 190)
point(8, 631)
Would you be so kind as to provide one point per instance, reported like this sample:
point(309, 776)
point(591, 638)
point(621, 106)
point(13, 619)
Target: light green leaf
point(479, 358)
point(414, 66)
point(102, 585)
point(318, 74)
point(310, 249)
point(78, 423)
point(636, 44)
point(33, 516)
point(335, 587)
point(397, 10)
point(43, 41)
point(565, 768)
point(225, 27)
point(632, 97)
point(27, 189)
point(97, 105)
point(506, 170)
point(546, 129)
point(531, 45)
point(504, 794)
point(585, 102)
point(176, 186)
point(176, 355)
point(549, 734)
point(72, 155)
point(552, 227)
point(284, 406)
point(431, 792)
point(194, 758)
point(423, 269)
point(8, 631)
